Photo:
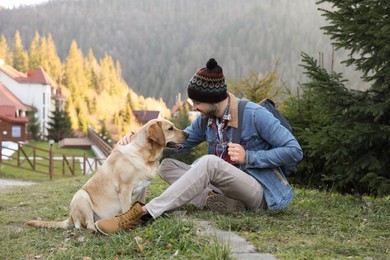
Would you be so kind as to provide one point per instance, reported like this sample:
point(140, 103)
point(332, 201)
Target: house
point(13, 118)
point(35, 89)
point(143, 116)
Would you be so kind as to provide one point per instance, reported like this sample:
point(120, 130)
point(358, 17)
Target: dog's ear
point(156, 134)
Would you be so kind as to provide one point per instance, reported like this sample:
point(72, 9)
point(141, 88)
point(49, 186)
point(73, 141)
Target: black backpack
point(270, 106)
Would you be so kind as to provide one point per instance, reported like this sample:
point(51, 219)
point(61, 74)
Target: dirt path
point(6, 183)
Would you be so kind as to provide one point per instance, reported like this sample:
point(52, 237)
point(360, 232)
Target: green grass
point(317, 225)
point(43, 165)
point(158, 240)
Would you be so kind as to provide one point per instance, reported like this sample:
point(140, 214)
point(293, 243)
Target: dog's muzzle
point(173, 145)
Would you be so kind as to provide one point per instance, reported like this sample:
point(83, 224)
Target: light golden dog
point(122, 179)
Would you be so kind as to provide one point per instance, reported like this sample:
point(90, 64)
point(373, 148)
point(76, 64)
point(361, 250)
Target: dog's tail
point(66, 224)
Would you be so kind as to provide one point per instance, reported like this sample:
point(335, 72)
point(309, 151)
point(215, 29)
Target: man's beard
point(212, 109)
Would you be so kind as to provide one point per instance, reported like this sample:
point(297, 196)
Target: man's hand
point(236, 153)
point(126, 139)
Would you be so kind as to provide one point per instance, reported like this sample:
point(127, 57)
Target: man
point(233, 176)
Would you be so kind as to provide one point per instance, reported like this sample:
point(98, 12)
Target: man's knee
point(209, 158)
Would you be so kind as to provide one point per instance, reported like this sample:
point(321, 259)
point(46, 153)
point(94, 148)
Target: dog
point(122, 178)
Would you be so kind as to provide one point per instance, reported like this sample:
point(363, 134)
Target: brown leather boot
point(135, 216)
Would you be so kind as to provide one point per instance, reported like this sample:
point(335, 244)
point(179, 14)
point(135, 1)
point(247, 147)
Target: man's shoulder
point(252, 106)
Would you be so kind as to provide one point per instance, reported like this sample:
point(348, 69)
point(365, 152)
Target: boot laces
point(130, 217)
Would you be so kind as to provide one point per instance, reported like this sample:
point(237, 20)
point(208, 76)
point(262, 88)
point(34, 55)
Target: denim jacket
point(268, 146)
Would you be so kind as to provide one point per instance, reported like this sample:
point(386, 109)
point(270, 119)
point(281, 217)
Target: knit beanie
point(208, 84)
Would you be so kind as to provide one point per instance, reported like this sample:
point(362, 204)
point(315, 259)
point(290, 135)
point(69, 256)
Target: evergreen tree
point(19, 55)
point(34, 53)
point(345, 134)
point(76, 82)
point(59, 125)
point(108, 76)
point(3, 48)
point(91, 68)
point(33, 125)
point(52, 63)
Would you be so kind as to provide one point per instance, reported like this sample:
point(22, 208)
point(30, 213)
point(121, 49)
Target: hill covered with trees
point(160, 44)
point(95, 91)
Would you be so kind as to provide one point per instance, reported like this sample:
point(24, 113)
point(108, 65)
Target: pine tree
point(33, 125)
point(19, 55)
point(345, 133)
point(108, 76)
point(3, 49)
point(91, 68)
point(34, 53)
point(76, 82)
point(53, 61)
point(59, 125)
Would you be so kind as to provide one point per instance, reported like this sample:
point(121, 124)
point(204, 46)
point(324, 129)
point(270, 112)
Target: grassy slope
point(317, 225)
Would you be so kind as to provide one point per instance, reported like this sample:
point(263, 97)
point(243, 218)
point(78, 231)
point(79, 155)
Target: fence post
point(34, 158)
point(85, 164)
point(51, 142)
point(74, 165)
point(1, 148)
point(19, 147)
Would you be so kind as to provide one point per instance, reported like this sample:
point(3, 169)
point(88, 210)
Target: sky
point(16, 3)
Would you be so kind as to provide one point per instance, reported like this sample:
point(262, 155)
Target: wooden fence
point(94, 137)
point(48, 162)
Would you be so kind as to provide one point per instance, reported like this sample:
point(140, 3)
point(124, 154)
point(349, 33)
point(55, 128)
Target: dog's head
point(164, 133)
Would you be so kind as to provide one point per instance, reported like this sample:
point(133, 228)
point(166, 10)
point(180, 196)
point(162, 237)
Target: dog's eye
point(171, 128)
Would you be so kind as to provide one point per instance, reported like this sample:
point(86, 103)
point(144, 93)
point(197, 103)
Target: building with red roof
point(33, 89)
point(13, 118)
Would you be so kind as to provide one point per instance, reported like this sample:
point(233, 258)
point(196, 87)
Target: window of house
point(16, 131)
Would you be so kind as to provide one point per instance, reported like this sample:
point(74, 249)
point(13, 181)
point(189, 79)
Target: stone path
point(240, 248)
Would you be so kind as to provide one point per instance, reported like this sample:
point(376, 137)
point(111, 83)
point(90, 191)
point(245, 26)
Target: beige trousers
point(191, 183)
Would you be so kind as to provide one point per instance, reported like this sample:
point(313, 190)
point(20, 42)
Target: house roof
point(145, 115)
point(14, 120)
point(7, 100)
point(9, 103)
point(13, 73)
point(38, 76)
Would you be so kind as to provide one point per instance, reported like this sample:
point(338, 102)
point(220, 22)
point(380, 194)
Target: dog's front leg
point(125, 197)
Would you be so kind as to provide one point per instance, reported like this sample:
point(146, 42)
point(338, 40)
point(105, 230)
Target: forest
point(160, 44)
point(96, 94)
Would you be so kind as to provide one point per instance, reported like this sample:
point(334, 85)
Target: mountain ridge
point(160, 44)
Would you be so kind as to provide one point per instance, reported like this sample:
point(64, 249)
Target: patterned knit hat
point(208, 84)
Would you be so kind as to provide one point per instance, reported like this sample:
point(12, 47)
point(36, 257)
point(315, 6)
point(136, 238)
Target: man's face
point(207, 110)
